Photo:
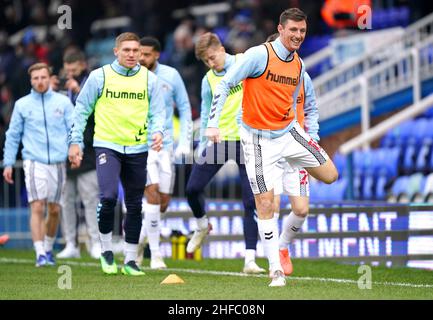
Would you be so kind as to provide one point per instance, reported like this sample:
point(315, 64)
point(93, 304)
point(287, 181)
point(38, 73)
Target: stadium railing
point(342, 73)
point(406, 74)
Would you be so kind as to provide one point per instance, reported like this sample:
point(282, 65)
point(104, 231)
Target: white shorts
point(294, 182)
point(263, 153)
point(44, 181)
point(160, 170)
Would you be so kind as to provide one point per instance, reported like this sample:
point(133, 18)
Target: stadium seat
point(320, 191)
point(338, 188)
point(380, 191)
point(428, 187)
point(403, 16)
point(367, 187)
point(340, 163)
point(317, 192)
point(429, 112)
point(409, 154)
point(357, 184)
point(415, 186)
point(387, 160)
point(422, 157)
point(398, 135)
point(398, 188)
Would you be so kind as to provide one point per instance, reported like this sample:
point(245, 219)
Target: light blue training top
point(175, 94)
point(311, 111)
point(42, 122)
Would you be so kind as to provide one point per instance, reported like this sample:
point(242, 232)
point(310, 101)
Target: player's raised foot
point(285, 261)
point(251, 267)
point(108, 264)
point(50, 258)
point(157, 263)
point(131, 269)
point(41, 261)
point(278, 279)
point(197, 238)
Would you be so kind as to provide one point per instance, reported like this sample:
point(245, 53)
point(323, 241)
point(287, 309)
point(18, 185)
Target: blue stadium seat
point(367, 188)
point(316, 193)
point(387, 161)
point(409, 158)
point(320, 191)
point(380, 192)
point(429, 113)
point(357, 184)
point(399, 186)
point(398, 135)
point(369, 161)
point(422, 157)
point(415, 184)
point(337, 190)
point(340, 163)
point(428, 185)
point(358, 160)
point(379, 19)
point(403, 16)
point(430, 162)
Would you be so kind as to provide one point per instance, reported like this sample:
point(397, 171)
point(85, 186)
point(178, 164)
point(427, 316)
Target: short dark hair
point(74, 56)
point(294, 14)
point(151, 42)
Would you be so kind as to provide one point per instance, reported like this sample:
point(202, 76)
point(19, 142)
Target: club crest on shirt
point(102, 158)
point(58, 112)
point(165, 87)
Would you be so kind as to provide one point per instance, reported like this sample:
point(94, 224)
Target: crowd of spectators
point(29, 33)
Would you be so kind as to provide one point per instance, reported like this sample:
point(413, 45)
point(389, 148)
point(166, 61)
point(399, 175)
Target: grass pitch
point(210, 279)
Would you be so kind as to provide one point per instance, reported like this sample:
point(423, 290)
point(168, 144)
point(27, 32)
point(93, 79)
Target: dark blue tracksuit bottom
point(211, 160)
point(130, 169)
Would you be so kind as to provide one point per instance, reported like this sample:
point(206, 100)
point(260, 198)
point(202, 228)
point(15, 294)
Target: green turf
point(19, 279)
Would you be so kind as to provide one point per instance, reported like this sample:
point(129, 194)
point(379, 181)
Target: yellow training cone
point(172, 279)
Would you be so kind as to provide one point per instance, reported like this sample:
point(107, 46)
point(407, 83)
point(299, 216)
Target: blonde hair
point(206, 41)
point(126, 36)
point(38, 66)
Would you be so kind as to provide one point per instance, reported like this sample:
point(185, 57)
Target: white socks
point(250, 255)
point(291, 225)
point(202, 223)
point(48, 243)
point(106, 243)
point(153, 226)
point(268, 231)
point(130, 252)
point(143, 232)
point(39, 248)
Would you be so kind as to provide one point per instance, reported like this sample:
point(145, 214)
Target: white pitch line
point(227, 273)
